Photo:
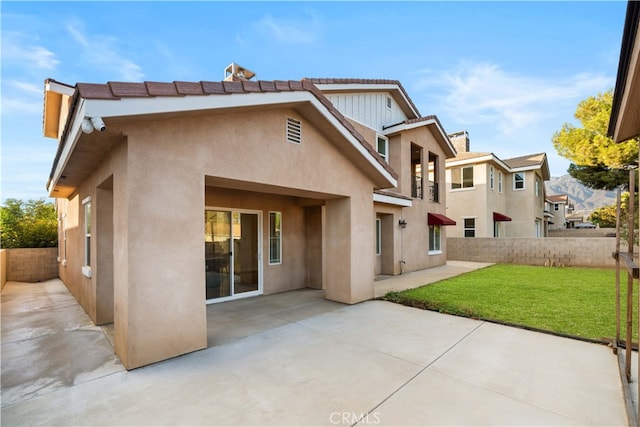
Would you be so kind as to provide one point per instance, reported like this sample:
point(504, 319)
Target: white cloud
point(482, 93)
point(103, 51)
point(16, 50)
point(292, 31)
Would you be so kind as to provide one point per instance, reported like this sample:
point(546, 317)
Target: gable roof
point(559, 198)
point(344, 85)
point(440, 135)
point(204, 90)
point(514, 164)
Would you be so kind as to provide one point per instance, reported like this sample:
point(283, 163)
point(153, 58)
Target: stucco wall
point(30, 265)
point(3, 268)
point(574, 252)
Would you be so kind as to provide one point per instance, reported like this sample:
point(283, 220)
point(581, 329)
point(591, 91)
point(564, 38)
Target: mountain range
point(583, 198)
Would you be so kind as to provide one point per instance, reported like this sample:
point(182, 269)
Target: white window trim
point(386, 147)
point(524, 181)
point(279, 262)
point(499, 181)
point(86, 267)
point(378, 237)
point(491, 178)
point(437, 251)
point(473, 187)
point(475, 225)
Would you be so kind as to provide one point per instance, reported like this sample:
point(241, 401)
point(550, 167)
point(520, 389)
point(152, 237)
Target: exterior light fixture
point(402, 223)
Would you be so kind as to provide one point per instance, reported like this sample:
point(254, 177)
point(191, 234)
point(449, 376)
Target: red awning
point(500, 217)
point(437, 219)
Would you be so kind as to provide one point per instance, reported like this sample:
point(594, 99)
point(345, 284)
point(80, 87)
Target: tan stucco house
point(559, 207)
point(491, 197)
point(171, 195)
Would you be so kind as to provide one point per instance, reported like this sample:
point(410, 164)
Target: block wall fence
point(557, 251)
point(29, 265)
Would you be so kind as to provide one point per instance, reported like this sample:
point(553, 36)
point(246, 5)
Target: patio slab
point(296, 359)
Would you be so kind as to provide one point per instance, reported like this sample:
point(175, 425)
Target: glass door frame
point(259, 291)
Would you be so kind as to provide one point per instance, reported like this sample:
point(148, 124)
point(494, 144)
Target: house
point(559, 208)
point(624, 123)
point(171, 194)
point(491, 197)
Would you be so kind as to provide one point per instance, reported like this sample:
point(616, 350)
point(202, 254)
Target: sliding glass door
point(232, 254)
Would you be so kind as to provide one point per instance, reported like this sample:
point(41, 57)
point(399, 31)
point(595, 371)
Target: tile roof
point(524, 161)
point(558, 198)
point(464, 155)
point(120, 90)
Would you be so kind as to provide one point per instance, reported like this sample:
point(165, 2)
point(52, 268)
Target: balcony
point(434, 192)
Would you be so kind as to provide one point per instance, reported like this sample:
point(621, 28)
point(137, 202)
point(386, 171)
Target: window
point(462, 177)
point(518, 181)
point(434, 239)
point(538, 185)
point(434, 171)
point(382, 147)
point(416, 172)
point(556, 207)
point(469, 227)
point(294, 130)
point(86, 268)
point(491, 177)
point(388, 103)
point(378, 236)
point(499, 181)
point(496, 229)
point(275, 238)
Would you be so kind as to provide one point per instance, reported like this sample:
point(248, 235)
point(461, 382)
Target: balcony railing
point(416, 187)
point(434, 193)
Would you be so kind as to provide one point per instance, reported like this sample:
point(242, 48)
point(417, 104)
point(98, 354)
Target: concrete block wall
point(31, 265)
point(569, 252)
point(3, 268)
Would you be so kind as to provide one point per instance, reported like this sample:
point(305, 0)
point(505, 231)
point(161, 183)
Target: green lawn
point(574, 301)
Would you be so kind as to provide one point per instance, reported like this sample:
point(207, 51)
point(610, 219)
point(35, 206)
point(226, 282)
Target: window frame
point(384, 139)
point(491, 178)
point(275, 236)
point(435, 239)
point(499, 181)
point(86, 266)
point(515, 187)
point(466, 228)
point(378, 237)
point(462, 185)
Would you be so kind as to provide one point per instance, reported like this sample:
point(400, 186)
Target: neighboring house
point(559, 208)
point(170, 194)
point(490, 197)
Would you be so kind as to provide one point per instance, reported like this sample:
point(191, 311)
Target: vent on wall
point(294, 130)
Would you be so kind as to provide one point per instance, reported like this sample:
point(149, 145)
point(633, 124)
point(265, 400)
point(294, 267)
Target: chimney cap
point(235, 72)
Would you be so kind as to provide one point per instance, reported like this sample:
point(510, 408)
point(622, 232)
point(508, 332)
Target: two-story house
point(170, 194)
point(560, 208)
point(491, 197)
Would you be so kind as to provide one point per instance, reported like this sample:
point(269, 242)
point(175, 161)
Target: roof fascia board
point(139, 106)
point(390, 200)
point(73, 136)
point(407, 126)
point(368, 87)
point(481, 159)
point(53, 86)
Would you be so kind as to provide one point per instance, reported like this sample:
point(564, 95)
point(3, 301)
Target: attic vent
point(294, 130)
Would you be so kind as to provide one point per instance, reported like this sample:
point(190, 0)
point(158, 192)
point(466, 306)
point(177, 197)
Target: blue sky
point(510, 73)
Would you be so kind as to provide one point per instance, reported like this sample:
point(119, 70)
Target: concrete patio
point(297, 359)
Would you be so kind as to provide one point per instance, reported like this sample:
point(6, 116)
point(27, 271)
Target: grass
point(574, 301)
